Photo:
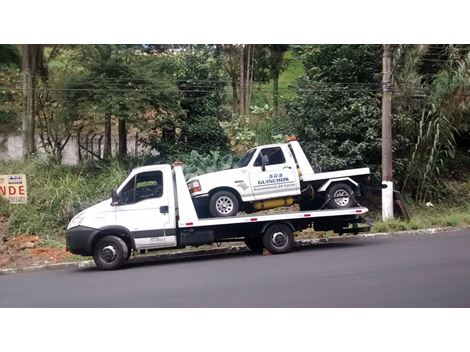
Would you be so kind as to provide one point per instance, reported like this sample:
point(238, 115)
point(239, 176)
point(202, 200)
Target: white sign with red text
point(13, 188)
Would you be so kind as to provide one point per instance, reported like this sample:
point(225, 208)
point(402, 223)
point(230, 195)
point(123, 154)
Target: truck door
point(277, 178)
point(143, 209)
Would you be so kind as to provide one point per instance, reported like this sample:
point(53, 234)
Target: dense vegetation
point(207, 104)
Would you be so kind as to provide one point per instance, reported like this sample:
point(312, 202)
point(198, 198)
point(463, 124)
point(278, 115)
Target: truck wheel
point(255, 243)
point(278, 238)
point(110, 252)
point(341, 196)
point(223, 203)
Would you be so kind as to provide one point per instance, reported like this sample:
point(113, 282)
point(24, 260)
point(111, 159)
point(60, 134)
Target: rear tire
point(278, 238)
point(223, 203)
point(110, 253)
point(341, 196)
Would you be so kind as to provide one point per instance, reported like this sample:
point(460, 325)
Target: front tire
point(223, 203)
point(278, 238)
point(341, 196)
point(110, 253)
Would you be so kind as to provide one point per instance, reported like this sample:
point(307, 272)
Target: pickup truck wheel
point(278, 238)
point(255, 243)
point(110, 252)
point(341, 196)
point(223, 203)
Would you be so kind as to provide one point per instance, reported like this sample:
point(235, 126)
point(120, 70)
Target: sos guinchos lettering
point(14, 188)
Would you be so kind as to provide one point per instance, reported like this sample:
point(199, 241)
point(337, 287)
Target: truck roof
point(150, 167)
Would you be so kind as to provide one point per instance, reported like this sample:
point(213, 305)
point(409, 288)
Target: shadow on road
point(148, 260)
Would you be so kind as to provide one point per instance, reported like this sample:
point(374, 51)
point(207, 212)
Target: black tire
point(110, 253)
point(278, 238)
point(255, 243)
point(341, 196)
point(223, 203)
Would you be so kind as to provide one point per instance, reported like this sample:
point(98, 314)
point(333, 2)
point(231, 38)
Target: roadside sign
point(13, 188)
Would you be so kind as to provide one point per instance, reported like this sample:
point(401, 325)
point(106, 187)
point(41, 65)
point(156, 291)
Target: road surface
point(397, 271)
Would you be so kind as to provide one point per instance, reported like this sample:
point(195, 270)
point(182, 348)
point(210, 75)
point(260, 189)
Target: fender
point(324, 187)
point(288, 223)
point(112, 229)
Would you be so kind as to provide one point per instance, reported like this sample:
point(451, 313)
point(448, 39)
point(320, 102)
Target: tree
point(432, 114)
point(336, 110)
point(201, 81)
point(111, 87)
point(246, 76)
point(277, 65)
point(32, 64)
point(10, 96)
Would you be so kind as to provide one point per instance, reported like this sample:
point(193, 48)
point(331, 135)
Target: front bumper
point(78, 240)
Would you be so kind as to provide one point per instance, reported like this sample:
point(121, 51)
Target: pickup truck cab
point(275, 175)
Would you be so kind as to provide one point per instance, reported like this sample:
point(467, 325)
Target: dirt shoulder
point(26, 250)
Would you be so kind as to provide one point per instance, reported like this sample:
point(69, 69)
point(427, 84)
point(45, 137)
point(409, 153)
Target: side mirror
point(114, 197)
point(264, 162)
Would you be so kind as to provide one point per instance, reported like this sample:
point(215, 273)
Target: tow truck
point(275, 175)
point(152, 210)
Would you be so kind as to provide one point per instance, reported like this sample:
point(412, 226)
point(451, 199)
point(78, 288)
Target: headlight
point(194, 186)
point(77, 220)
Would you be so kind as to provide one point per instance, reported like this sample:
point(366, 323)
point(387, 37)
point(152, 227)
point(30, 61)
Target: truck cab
point(270, 176)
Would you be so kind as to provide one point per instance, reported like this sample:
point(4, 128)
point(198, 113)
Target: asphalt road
point(400, 271)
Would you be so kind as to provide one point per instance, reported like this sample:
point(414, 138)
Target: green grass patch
point(427, 217)
point(55, 194)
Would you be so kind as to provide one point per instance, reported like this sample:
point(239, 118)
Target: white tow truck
point(271, 176)
point(152, 209)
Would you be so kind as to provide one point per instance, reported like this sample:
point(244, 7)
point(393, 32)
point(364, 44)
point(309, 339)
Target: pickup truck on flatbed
point(152, 209)
point(271, 176)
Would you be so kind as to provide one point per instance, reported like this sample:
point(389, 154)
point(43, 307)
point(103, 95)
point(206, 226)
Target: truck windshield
point(246, 158)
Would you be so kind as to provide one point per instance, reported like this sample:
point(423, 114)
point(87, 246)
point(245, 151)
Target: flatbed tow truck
point(153, 209)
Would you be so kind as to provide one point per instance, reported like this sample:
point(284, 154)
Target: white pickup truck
point(271, 176)
point(152, 210)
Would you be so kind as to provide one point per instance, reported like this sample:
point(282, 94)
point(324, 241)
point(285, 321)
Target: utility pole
point(387, 172)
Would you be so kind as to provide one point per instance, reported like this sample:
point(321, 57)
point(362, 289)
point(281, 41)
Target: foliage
point(246, 132)
point(197, 164)
point(10, 95)
point(335, 113)
point(201, 79)
point(428, 126)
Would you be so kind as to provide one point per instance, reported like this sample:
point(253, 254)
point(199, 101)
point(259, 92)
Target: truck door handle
point(164, 209)
point(287, 167)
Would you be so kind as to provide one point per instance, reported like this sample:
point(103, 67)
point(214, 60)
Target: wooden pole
point(387, 171)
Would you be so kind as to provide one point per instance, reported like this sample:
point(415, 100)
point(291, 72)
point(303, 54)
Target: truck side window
point(274, 154)
point(145, 185)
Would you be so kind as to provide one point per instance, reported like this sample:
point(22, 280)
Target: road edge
point(214, 251)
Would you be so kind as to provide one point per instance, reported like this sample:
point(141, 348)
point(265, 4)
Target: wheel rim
point(224, 205)
point(279, 239)
point(108, 254)
point(341, 197)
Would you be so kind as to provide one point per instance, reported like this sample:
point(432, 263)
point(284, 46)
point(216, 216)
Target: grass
point(262, 92)
point(55, 194)
point(424, 217)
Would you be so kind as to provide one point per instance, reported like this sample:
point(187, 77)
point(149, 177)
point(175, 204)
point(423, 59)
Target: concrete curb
point(226, 250)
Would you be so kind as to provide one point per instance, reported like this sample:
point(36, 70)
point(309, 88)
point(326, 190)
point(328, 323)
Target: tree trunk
point(246, 77)
point(242, 81)
point(234, 95)
point(31, 60)
point(107, 137)
point(276, 92)
point(122, 137)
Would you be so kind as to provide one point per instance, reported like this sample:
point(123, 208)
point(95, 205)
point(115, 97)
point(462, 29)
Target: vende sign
point(13, 187)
